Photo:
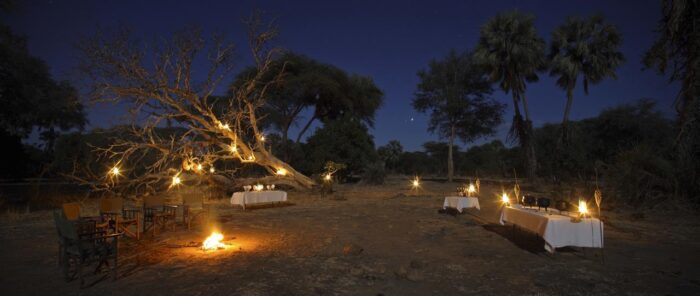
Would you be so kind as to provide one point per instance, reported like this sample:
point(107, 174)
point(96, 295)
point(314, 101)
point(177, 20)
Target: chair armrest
point(131, 213)
point(89, 218)
point(104, 236)
point(170, 209)
point(92, 234)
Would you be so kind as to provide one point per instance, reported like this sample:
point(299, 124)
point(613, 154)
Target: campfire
point(213, 242)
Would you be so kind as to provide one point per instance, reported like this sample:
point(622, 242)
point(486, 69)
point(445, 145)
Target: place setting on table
point(258, 194)
point(467, 197)
point(561, 226)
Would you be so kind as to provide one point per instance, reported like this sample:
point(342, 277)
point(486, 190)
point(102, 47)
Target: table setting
point(258, 194)
point(465, 198)
point(559, 227)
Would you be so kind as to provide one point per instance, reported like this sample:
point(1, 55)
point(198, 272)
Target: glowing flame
point(213, 242)
point(415, 183)
point(471, 188)
point(176, 181)
point(505, 199)
point(327, 177)
point(224, 126)
point(281, 172)
point(582, 207)
point(115, 171)
point(199, 167)
point(234, 149)
point(258, 187)
point(262, 138)
point(212, 170)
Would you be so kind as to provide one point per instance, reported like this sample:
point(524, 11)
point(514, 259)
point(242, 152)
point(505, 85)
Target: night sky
point(387, 40)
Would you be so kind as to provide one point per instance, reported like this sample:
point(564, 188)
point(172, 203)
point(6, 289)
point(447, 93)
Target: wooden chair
point(80, 248)
point(120, 219)
point(156, 214)
point(194, 208)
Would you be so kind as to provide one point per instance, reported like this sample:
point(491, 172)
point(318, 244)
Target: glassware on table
point(247, 187)
point(272, 186)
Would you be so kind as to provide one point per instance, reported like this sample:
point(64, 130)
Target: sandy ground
point(369, 240)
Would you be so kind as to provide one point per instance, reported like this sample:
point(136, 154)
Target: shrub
point(374, 173)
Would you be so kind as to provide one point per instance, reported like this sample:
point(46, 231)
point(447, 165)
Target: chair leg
point(60, 254)
point(116, 260)
point(79, 267)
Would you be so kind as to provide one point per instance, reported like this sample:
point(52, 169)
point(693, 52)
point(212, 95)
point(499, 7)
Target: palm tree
point(512, 52)
point(587, 48)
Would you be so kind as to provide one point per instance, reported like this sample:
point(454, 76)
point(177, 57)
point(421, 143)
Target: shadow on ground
point(522, 239)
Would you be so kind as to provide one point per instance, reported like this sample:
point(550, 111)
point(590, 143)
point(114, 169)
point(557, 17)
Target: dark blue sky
point(387, 40)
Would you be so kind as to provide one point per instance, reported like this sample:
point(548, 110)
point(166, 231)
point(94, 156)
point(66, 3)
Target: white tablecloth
point(461, 202)
point(556, 230)
point(257, 197)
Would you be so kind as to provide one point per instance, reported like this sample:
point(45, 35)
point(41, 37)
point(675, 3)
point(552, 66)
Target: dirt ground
point(369, 240)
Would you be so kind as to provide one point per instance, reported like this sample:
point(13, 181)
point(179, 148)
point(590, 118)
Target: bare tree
point(160, 86)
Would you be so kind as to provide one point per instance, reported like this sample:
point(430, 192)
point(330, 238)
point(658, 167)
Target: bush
point(374, 174)
point(640, 177)
point(345, 140)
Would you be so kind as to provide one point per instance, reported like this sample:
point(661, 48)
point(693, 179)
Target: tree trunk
point(450, 162)
point(529, 142)
point(526, 108)
point(565, 121)
point(285, 147)
point(301, 133)
point(292, 178)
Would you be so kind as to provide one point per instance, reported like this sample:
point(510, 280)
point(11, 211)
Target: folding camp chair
point(119, 218)
point(156, 214)
point(194, 208)
point(79, 247)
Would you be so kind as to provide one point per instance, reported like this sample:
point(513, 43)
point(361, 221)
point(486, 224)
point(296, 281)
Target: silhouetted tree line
point(639, 155)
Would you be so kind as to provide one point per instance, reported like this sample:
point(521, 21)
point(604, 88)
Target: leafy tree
point(512, 52)
point(355, 95)
point(414, 163)
point(297, 82)
point(587, 48)
point(457, 95)
point(486, 159)
point(390, 153)
point(31, 99)
point(676, 52)
point(344, 140)
point(292, 85)
point(437, 152)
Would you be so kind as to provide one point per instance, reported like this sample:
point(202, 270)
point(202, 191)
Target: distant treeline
point(629, 147)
